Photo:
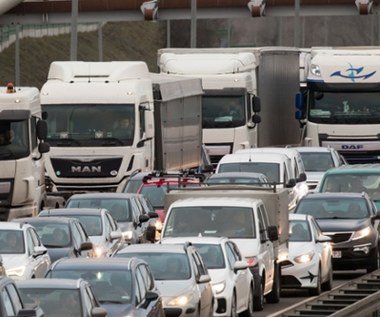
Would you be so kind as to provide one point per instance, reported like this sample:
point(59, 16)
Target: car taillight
point(251, 261)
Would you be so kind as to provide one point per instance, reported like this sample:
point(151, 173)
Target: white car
point(309, 264)
point(100, 226)
point(232, 281)
point(24, 255)
point(317, 160)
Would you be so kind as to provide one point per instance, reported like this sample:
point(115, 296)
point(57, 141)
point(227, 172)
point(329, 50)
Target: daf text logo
point(86, 169)
point(352, 147)
point(353, 73)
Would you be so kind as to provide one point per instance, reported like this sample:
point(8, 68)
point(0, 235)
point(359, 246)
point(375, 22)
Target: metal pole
point(100, 41)
point(74, 30)
point(17, 56)
point(297, 24)
point(168, 33)
point(193, 29)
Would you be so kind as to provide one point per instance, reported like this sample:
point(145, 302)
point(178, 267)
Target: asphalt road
point(295, 297)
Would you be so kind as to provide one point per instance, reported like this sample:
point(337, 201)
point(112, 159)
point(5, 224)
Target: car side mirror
point(302, 177)
point(143, 218)
point(291, 183)
point(87, 245)
point(153, 214)
point(323, 238)
point(98, 312)
point(240, 265)
point(205, 278)
point(39, 250)
point(115, 235)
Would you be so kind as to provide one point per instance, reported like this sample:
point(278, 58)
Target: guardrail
point(8, 34)
point(357, 298)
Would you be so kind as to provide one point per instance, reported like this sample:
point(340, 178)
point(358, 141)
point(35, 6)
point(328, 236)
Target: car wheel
point(233, 306)
point(258, 298)
point(375, 262)
point(326, 286)
point(274, 295)
point(249, 311)
point(318, 289)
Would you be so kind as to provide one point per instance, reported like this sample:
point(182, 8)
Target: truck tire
point(258, 297)
point(274, 296)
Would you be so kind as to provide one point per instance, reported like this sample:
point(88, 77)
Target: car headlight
point(304, 258)
point(18, 271)
point(219, 287)
point(127, 235)
point(361, 233)
point(181, 300)
point(99, 251)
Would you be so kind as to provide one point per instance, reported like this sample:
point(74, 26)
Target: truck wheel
point(274, 296)
point(258, 298)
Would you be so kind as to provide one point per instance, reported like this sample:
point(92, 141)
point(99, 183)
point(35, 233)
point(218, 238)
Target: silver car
point(181, 276)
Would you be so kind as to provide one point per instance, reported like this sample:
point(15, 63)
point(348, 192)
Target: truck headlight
point(181, 300)
point(315, 70)
point(361, 233)
point(304, 258)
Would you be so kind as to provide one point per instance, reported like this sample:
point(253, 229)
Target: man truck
point(109, 119)
point(339, 102)
point(248, 94)
point(23, 133)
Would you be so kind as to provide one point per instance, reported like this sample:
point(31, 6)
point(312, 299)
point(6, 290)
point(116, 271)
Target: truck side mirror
point(291, 183)
point(300, 114)
point(43, 147)
point(42, 129)
point(302, 177)
point(272, 233)
point(149, 124)
point(256, 104)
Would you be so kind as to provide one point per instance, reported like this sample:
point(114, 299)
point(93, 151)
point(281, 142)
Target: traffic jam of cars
point(176, 245)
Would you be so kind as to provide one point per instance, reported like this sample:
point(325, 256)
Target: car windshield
point(212, 255)
point(334, 208)
point(12, 242)
point(92, 224)
point(109, 285)
point(270, 170)
point(229, 221)
point(218, 179)
point(120, 209)
point(317, 162)
point(55, 302)
point(299, 231)
point(165, 266)
point(53, 235)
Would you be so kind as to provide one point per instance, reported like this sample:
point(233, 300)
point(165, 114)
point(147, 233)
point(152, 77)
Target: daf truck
point(247, 92)
point(339, 102)
point(262, 232)
point(109, 119)
point(23, 133)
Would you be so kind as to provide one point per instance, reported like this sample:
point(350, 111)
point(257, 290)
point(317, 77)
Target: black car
point(123, 286)
point(63, 237)
point(61, 297)
point(350, 220)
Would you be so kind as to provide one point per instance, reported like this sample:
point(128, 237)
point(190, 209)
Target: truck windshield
point(344, 107)
point(214, 221)
point(223, 111)
point(90, 124)
point(14, 141)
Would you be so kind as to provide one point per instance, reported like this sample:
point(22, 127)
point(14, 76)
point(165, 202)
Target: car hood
point(299, 248)
point(329, 225)
point(117, 310)
point(57, 253)
point(96, 240)
point(13, 260)
point(168, 289)
point(313, 177)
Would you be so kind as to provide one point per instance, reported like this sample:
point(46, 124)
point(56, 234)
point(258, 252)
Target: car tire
point(375, 262)
point(258, 297)
point(318, 289)
point(249, 311)
point(274, 296)
point(327, 286)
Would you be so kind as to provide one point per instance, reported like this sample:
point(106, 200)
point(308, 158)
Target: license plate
point(337, 254)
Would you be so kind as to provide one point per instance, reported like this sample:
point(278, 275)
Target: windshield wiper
point(111, 141)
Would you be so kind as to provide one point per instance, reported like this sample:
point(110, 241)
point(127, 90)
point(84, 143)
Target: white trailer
point(109, 119)
point(339, 102)
point(243, 87)
point(22, 135)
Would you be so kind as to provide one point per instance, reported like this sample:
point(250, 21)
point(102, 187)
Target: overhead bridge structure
point(33, 11)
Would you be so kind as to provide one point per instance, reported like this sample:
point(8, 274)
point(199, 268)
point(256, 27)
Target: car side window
point(140, 287)
point(77, 237)
point(29, 242)
point(147, 275)
point(35, 237)
point(11, 300)
point(262, 224)
point(135, 211)
point(88, 302)
point(231, 257)
point(107, 227)
point(112, 222)
point(201, 267)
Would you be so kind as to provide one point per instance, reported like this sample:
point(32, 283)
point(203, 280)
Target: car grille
point(172, 312)
point(339, 237)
